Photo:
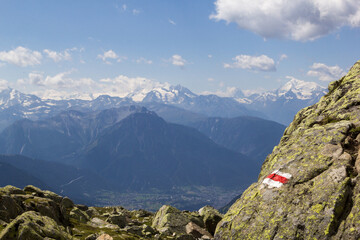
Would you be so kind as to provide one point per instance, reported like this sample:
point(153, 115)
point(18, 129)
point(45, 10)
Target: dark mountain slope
point(60, 136)
point(10, 175)
point(143, 151)
point(66, 180)
point(250, 136)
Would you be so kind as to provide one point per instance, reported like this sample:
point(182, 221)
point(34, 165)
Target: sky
point(60, 49)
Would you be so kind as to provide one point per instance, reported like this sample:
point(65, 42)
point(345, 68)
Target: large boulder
point(45, 207)
point(170, 219)
point(9, 208)
point(211, 218)
point(309, 187)
point(31, 225)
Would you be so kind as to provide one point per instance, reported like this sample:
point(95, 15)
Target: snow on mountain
point(303, 90)
point(171, 95)
point(279, 105)
point(282, 104)
point(292, 90)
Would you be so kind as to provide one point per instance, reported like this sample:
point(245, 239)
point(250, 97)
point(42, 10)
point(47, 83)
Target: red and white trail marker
point(276, 179)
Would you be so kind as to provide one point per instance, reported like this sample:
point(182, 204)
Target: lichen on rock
point(322, 199)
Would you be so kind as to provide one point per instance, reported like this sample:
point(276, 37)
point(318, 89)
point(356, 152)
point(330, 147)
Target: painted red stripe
point(278, 178)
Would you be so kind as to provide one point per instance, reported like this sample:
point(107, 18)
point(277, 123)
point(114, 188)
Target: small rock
point(185, 237)
point(137, 230)
point(91, 212)
point(79, 215)
point(67, 203)
point(82, 207)
point(104, 237)
point(196, 231)
point(99, 223)
point(118, 219)
point(93, 236)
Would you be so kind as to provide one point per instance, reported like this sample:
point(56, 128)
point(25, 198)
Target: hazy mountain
point(143, 152)
point(282, 104)
point(10, 175)
point(250, 136)
point(65, 180)
point(209, 105)
point(131, 147)
point(61, 136)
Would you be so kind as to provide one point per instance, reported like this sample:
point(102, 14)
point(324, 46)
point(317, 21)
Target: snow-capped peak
point(302, 89)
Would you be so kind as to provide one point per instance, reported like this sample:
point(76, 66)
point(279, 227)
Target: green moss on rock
point(320, 201)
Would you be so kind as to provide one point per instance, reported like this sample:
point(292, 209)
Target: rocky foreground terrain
point(319, 153)
point(31, 214)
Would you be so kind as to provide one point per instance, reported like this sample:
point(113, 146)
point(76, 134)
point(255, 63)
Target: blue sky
point(207, 45)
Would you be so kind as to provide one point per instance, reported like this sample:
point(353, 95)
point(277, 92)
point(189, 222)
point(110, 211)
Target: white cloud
point(58, 56)
point(3, 84)
point(326, 73)
point(59, 81)
point(172, 22)
point(64, 86)
point(124, 7)
point(177, 60)
point(110, 55)
point(135, 11)
point(228, 92)
point(21, 56)
point(255, 63)
point(143, 60)
point(211, 79)
point(283, 57)
point(210, 56)
point(122, 86)
point(300, 20)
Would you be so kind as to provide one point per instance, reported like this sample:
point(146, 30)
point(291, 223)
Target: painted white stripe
point(271, 183)
point(286, 175)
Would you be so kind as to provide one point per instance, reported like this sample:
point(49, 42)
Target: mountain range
point(173, 103)
point(169, 140)
point(129, 150)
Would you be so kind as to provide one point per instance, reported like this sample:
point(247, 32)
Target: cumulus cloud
point(110, 55)
point(58, 56)
point(59, 81)
point(300, 20)
point(3, 84)
point(21, 56)
point(255, 63)
point(64, 86)
point(177, 60)
point(172, 22)
point(143, 60)
point(326, 73)
point(228, 92)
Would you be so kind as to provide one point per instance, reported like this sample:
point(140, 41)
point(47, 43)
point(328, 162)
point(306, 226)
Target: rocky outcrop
point(319, 198)
point(32, 225)
point(32, 213)
point(211, 218)
point(183, 224)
